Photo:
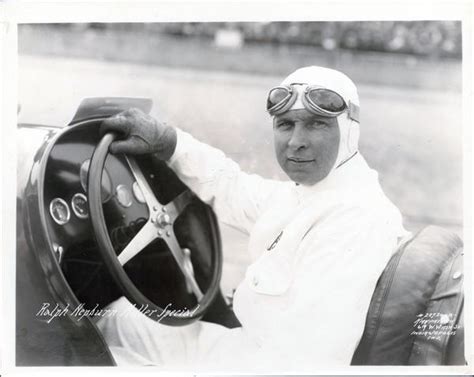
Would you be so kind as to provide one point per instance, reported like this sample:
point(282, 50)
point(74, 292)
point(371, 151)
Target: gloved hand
point(139, 133)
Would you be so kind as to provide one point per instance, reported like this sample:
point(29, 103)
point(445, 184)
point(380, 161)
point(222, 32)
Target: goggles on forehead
point(317, 100)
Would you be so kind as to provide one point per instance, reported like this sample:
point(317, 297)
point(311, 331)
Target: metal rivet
point(168, 233)
point(457, 275)
point(155, 208)
point(153, 220)
point(159, 232)
point(164, 209)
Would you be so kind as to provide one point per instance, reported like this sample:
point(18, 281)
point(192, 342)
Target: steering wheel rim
point(112, 263)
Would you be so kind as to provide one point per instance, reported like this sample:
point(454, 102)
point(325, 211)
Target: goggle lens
point(321, 101)
point(276, 96)
point(327, 100)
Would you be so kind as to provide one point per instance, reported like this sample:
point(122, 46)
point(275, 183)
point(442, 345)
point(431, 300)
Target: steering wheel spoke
point(142, 239)
point(147, 192)
point(178, 204)
point(184, 262)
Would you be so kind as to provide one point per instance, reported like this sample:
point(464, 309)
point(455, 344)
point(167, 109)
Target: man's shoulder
point(376, 210)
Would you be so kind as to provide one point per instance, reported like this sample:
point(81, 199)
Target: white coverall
point(317, 252)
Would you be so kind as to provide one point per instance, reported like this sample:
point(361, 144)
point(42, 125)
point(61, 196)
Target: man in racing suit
point(318, 243)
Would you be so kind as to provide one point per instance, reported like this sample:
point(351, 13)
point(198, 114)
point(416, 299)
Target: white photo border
point(14, 13)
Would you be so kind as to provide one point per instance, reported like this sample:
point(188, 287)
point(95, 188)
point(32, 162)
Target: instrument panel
point(68, 224)
point(65, 189)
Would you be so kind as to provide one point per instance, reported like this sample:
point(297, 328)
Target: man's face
point(306, 145)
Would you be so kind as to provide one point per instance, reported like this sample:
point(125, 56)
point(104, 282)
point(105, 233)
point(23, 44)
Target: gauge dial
point(79, 206)
point(59, 211)
point(106, 181)
point(124, 196)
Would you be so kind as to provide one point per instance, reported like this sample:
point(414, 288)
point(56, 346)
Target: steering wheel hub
point(162, 220)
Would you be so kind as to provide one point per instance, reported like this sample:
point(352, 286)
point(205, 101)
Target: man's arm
point(237, 197)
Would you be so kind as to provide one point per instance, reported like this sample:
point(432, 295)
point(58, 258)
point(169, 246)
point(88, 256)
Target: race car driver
point(318, 242)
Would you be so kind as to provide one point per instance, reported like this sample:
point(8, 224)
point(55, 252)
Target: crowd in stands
point(424, 38)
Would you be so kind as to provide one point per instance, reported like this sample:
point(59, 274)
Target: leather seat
point(416, 313)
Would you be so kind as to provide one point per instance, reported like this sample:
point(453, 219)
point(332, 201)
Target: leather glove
point(139, 133)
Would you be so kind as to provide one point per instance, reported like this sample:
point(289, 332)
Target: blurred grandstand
point(426, 38)
point(397, 53)
point(422, 38)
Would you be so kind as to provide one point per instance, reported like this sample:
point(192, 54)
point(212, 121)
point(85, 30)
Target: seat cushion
point(405, 295)
point(439, 339)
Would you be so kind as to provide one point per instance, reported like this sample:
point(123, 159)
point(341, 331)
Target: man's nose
point(298, 139)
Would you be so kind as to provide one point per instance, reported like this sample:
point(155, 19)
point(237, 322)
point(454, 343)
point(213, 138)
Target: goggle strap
point(354, 112)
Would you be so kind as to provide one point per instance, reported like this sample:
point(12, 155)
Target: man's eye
point(319, 125)
point(284, 125)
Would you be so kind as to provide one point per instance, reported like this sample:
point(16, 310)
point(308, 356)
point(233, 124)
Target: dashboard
point(66, 209)
point(65, 190)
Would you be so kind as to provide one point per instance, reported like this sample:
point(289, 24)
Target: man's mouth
point(298, 160)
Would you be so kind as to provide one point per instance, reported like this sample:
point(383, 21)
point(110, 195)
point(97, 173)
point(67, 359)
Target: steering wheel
point(159, 225)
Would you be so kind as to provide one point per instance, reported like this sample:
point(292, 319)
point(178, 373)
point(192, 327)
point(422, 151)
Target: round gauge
point(59, 211)
point(83, 172)
point(137, 191)
point(124, 196)
point(79, 206)
point(106, 181)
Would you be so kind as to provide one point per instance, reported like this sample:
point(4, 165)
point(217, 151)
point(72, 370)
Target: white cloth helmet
point(341, 84)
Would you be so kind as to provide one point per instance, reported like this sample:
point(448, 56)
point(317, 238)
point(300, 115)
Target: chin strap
point(347, 159)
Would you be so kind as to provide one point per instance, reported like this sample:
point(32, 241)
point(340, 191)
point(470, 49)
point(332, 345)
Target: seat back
point(415, 316)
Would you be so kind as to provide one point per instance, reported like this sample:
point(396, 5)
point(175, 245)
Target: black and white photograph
point(263, 197)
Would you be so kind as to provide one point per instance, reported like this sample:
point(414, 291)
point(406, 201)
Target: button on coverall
point(317, 252)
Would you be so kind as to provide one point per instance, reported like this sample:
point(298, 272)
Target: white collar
point(351, 174)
